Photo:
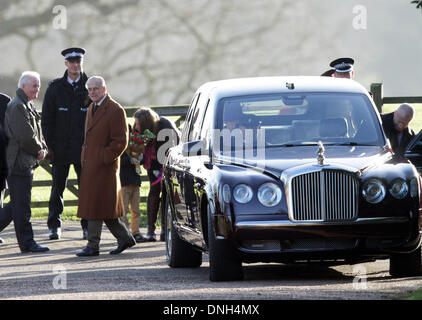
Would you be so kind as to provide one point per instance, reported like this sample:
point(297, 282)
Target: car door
point(414, 151)
point(177, 171)
point(193, 170)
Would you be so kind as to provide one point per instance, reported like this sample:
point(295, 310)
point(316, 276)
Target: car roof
point(262, 85)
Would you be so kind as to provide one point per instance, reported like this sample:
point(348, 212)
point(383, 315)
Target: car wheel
point(179, 253)
point(406, 264)
point(224, 265)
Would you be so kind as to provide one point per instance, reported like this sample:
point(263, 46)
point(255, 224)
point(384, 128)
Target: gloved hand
point(134, 161)
point(50, 154)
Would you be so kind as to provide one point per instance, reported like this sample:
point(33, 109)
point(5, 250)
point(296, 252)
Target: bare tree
point(160, 51)
point(418, 4)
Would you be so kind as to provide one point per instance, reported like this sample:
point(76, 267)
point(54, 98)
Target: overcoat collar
point(22, 95)
point(27, 103)
point(82, 79)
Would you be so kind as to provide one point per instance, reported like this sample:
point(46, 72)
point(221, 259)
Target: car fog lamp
point(226, 193)
point(414, 188)
point(373, 191)
point(399, 189)
point(269, 194)
point(242, 193)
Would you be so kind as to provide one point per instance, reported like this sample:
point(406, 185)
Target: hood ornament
point(320, 153)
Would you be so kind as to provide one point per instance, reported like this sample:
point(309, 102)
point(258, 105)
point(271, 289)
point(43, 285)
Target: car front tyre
point(406, 264)
point(224, 265)
point(179, 253)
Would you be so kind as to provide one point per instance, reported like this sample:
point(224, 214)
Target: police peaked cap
point(342, 64)
point(73, 53)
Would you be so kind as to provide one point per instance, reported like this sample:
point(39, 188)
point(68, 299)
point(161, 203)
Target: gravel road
point(141, 273)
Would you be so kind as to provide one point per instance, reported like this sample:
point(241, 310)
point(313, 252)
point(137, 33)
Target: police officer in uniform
point(343, 68)
point(64, 111)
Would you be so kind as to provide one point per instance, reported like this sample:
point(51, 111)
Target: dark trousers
point(116, 227)
point(55, 205)
point(153, 204)
point(18, 209)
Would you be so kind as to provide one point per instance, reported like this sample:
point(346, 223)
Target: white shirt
point(71, 81)
point(101, 101)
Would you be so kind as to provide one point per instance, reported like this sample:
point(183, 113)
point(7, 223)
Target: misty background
point(158, 52)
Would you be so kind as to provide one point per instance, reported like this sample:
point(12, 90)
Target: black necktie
point(95, 108)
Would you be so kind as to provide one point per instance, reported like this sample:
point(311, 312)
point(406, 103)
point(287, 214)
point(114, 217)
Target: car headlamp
point(399, 189)
point(242, 193)
point(373, 191)
point(269, 194)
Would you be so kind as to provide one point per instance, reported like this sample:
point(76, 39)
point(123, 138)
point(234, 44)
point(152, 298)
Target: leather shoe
point(88, 252)
point(35, 248)
point(139, 238)
point(122, 247)
point(55, 233)
point(151, 238)
point(1, 240)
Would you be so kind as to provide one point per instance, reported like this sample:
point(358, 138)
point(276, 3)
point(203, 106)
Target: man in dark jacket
point(4, 100)
point(64, 111)
point(396, 127)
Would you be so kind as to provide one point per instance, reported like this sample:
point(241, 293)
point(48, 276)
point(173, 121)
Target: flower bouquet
point(137, 144)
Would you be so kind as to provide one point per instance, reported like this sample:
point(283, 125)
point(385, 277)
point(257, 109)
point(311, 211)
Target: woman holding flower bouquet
point(149, 125)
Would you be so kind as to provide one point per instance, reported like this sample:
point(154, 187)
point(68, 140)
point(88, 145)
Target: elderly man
point(396, 127)
point(100, 194)
point(25, 149)
point(64, 111)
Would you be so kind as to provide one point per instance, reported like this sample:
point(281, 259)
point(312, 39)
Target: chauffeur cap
point(73, 53)
point(342, 64)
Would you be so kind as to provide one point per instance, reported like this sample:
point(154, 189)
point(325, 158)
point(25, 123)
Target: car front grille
point(326, 195)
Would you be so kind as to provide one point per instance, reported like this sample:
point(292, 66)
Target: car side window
point(207, 123)
point(186, 127)
point(196, 121)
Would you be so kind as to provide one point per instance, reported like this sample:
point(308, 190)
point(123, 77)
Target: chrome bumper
point(250, 225)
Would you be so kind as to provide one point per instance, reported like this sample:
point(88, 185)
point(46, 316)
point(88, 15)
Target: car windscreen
point(283, 120)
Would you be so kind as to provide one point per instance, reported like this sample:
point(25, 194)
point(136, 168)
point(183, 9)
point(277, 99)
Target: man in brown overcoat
point(100, 194)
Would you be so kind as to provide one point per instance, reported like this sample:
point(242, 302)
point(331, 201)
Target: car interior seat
point(335, 127)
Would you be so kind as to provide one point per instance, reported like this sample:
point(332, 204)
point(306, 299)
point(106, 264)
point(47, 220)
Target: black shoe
point(139, 238)
point(122, 247)
point(162, 237)
point(84, 234)
point(151, 238)
point(1, 240)
point(88, 252)
point(35, 248)
point(55, 233)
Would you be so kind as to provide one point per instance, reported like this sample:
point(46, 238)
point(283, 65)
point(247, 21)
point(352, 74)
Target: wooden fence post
point(377, 95)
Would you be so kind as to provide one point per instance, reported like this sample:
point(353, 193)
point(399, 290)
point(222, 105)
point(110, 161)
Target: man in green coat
point(25, 149)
